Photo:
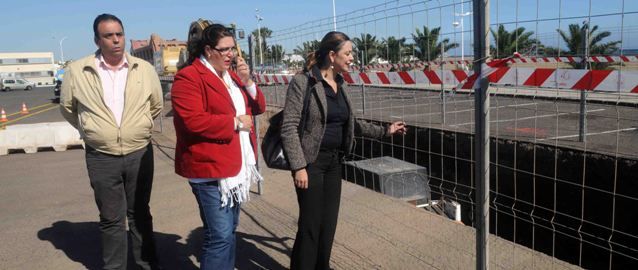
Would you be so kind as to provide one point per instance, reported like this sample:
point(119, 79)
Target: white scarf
point(237, 188)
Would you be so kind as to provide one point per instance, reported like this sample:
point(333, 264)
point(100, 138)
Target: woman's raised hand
point(243, 71)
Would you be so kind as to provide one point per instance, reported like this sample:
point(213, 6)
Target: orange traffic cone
point(3, 116)
point(24, 109)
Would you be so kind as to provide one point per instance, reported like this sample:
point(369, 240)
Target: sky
point(40, 25)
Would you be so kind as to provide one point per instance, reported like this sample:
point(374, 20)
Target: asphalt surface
point(49, 221)
point(40, 103)
point(611, 128)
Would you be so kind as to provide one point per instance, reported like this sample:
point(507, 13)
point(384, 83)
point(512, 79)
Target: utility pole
point(482, 133)
point(456, 24)
point(259, 19)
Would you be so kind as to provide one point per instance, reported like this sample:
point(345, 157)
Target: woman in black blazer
point(328, 134)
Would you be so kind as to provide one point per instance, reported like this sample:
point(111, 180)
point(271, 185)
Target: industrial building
point(37, 67)
point(163, 54)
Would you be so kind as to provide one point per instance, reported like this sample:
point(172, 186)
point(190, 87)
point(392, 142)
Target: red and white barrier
point(534, 60)
point(598, 80)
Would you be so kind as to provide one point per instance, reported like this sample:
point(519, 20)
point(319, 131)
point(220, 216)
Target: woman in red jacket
point(215, 139)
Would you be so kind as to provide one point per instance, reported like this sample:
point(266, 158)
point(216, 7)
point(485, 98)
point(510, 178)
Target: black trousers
point(122, 189)
point(318, 212)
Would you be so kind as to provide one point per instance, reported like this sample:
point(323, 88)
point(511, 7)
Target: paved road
point(39, 101)
point(49, 222)
point(611, 129)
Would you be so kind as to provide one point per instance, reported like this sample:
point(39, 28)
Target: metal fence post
point(363, 87)
point(277, 94)
point(255, 122)
point(482, 133)
point(582, 121)
point(442, 86)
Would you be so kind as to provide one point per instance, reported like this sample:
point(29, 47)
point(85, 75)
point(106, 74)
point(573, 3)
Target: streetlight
point(259, 19)
point(62, 50)
point(456, 24)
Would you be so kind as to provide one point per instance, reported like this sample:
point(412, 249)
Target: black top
point(337, 115)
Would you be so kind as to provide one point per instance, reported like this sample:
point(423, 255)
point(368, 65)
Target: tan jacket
point(82, 105)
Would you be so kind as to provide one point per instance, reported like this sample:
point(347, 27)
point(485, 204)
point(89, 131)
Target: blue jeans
point(220, 223)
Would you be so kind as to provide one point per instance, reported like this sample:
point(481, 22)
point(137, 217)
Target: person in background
point(315, 158)
point(111, 98)
point(214, 109)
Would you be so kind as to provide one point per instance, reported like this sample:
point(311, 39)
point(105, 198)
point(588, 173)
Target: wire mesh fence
point(564, 113)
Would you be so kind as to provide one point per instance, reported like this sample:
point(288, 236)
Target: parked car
point(8, 84)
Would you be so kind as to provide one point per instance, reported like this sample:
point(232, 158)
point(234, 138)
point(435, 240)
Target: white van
point(8, 84)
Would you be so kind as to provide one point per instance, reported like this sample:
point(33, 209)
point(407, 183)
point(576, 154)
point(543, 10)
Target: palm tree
point(307, 47)
point(367, 44)
point(265, 34)
point(428, 47)
point(574, 40)
point(507, 43)
point(392, 49)
point(276, 53)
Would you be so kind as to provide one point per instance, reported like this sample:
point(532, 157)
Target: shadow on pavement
point(248, 255)
point(80, 241)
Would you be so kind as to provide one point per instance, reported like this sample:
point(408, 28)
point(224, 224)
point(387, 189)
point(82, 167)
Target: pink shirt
point(113, 80)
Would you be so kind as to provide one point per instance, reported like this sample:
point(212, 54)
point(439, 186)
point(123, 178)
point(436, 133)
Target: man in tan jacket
point(112, 98)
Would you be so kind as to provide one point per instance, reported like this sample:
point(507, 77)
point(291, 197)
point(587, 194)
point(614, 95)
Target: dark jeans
point(318, 212)
point(220, 223)
point(122, 189)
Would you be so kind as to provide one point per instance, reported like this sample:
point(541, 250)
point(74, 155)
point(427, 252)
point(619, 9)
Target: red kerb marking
point(592, 79)
point(539, 76)
point(365, 78)
point(384, 79)
point(432, 77)
point(405, 76)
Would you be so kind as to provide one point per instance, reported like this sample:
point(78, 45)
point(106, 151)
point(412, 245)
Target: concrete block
point(390, 176)
point(30, 137)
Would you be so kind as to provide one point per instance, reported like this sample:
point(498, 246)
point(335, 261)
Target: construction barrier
point(536, 60)
point(575, 79)
point(31, 137)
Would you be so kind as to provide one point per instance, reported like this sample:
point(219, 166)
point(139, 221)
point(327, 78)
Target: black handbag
point(272, 146)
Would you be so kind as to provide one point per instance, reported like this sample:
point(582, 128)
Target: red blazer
point(207, 142)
